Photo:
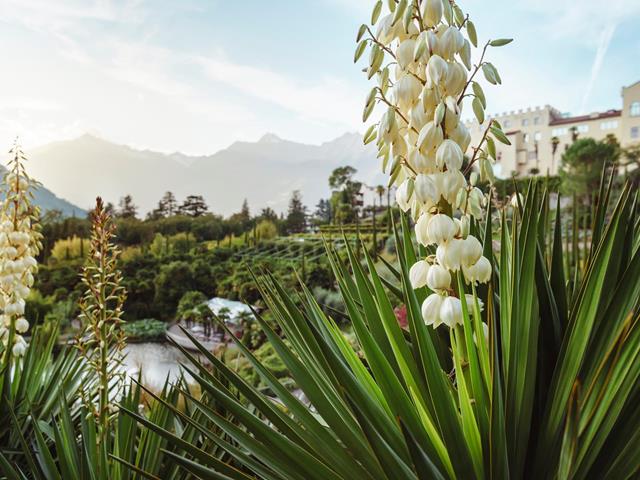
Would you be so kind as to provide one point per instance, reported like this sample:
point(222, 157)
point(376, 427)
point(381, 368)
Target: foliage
point(189, 302)
point(266, 230)
point(345, 195)
point(296, 221)
point(505, 188)
point(194, 206)
point(70, 248)
point(583, 162)
point(552, 390)
point(146, 330)
point(174, 280)
point(126, 208)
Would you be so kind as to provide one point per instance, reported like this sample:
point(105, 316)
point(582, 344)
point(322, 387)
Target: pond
point(156, 361)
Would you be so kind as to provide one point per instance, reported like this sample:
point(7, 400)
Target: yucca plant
point(519, 361)
point(32, 378)
point(79, 432)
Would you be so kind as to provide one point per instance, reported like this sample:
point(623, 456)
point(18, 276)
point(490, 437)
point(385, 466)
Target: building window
point(532, 155)
point(609, 125)
point(537, 136)
point(558, 132)
point(583, 128)
point(635, 109)
point(635, 132)
point(525, 122)
point(507, 123)
point(526, 137)
point(536, 120)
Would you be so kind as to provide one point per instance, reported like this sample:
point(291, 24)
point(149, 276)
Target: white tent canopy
point(235, 309)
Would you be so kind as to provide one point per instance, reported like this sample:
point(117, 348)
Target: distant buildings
point(531, 132)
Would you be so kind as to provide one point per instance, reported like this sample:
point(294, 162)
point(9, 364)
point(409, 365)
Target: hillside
point(265, 172)
point(47, 200)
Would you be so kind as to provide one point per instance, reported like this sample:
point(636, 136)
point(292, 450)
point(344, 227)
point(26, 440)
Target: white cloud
point(581, 22)
point(328, 100)
point(603, 47)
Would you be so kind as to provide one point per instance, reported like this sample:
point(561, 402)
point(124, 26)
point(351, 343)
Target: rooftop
point(585, 118)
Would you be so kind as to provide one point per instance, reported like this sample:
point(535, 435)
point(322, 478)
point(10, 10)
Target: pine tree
point(194, 206)
point(168, 204)
point(126, 208)
point(297, 214)
point(322, 215)
point(244, 211)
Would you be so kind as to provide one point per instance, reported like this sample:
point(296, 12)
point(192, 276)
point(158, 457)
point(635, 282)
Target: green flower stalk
point(421, 62)
point(20, 242)
point(102, 339)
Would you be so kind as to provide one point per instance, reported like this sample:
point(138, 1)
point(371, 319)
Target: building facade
point(540, 136)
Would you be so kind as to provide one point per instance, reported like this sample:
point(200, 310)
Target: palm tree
point(555, 141)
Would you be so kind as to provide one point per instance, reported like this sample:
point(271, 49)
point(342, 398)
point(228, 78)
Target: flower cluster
point(422, 89)
point(19, 245)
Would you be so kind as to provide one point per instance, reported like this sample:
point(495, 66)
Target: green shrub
point(146, 330)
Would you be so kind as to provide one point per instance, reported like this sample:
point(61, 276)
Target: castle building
point(532, 133)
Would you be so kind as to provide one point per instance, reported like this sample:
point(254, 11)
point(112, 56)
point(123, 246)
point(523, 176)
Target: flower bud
point(476, 202)
point(431, 12)
point(465, 226)
point(431, 310)
point(438, 278)
point(451, 312)
point(441, 228)
point(479, 272)
point(471, 250)
point(419, 273)
point(449, 154)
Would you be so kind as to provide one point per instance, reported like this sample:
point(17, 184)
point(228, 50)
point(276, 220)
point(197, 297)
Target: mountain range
point(47, 200)
point(265, 172)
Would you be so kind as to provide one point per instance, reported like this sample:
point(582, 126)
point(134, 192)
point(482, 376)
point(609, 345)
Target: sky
point(196, 75)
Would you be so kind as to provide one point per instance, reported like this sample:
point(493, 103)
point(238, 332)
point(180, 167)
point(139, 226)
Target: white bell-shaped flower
point(451, 312)
point(479, 272)
point(431, 309)
point(418, 274)
point(438, 278)
point(441, 228)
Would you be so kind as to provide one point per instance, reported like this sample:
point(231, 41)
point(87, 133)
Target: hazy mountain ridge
point(47, 200)
point(265, 172)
